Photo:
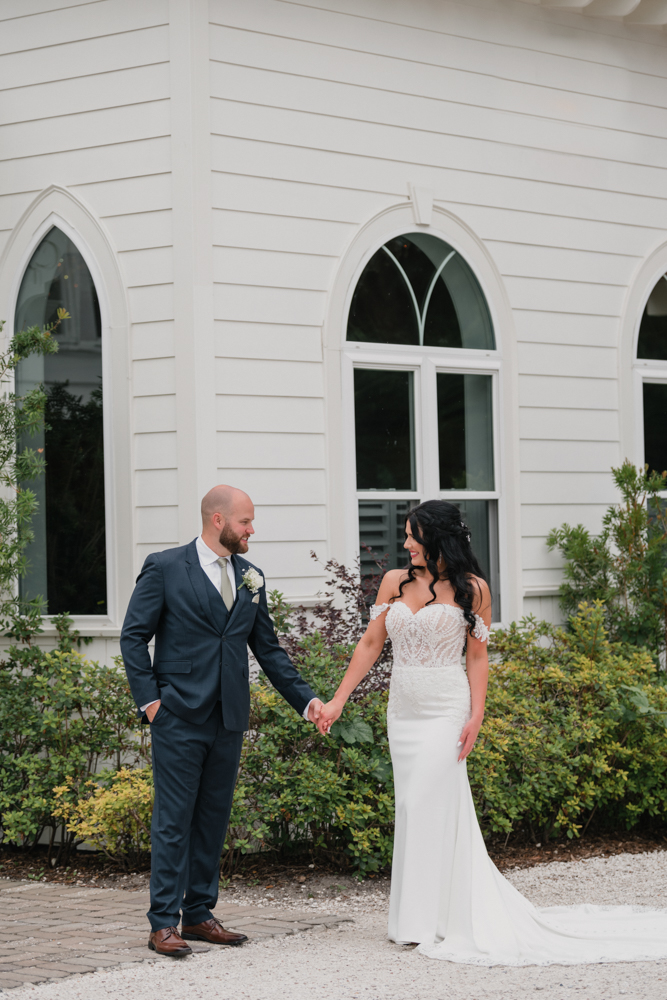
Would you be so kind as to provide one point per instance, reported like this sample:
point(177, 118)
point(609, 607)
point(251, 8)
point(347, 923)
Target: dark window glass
point(384, 433)
point(382, 529)
point(655, 422)
point(465, 432)
point(418, 290)
point(652, 342)
point(67, 559)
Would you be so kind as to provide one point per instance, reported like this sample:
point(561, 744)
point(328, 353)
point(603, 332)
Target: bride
point(446, 893)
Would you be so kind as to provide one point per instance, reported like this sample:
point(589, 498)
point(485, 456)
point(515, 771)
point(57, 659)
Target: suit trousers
point(194, 769)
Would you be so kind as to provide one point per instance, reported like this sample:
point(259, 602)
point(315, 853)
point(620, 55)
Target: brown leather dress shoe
point(213, 932)
point(168, 941)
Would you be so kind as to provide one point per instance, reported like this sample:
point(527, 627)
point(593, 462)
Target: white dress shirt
point(208, 560)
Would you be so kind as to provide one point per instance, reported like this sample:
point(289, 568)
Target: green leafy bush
point(334, 794)
point(574, 731)
point(61, 718)
point(625, 566)
point(111, 814)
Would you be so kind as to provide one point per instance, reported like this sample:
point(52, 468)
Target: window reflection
point(465, 431)
point(67, 559)
point(384, 426)
point(652, 342)
point(418, 290)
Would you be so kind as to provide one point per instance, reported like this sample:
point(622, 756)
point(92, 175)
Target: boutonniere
point(252, 580)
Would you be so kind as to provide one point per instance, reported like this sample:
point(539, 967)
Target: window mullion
point(430, 479)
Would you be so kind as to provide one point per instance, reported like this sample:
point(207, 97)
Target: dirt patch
point(301, 875)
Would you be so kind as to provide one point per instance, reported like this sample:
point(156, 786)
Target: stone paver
point(49, 932)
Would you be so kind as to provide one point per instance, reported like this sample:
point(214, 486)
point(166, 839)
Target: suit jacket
point(201, 654)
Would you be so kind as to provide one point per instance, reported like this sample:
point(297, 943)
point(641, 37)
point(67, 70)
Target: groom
point(204, 603)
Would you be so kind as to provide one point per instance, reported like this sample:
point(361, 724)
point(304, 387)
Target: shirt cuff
point(307, 709)
point(142, 708)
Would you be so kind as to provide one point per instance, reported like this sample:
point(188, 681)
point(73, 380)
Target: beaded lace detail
point(428, 679)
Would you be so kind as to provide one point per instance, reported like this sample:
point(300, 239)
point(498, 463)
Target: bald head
point(227, 515)
point(221, 500)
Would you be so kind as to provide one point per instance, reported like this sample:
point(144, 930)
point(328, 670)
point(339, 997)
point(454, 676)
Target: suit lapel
point(203, 588)
point(242, 593)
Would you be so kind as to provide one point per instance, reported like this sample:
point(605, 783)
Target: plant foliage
point(62, 717)
point(19, 415)
point(625, 566)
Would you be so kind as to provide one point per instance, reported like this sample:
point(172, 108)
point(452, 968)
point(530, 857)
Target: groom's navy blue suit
point(200, 673)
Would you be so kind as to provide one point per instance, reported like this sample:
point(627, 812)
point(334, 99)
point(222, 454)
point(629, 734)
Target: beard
point(232, 542)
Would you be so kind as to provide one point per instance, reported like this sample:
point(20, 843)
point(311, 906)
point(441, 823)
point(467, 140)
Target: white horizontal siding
point(280, 414)
point(156, 450)
point(156, 487)
point(539, 519)
point(256, 450)
point(157, 526)
point(557, 264)
point(268, 378)
point(152, 340)
point(139, 230)
point(567, 359)
point(150, 266)
point(149, 303)
point(579, 487)
point(265, 304)
point(283, 486)
point(270, 268)
point(154, 413)
point(540, 327)
point(569, 456)
point(290, 524)
point(283, 233)
point(268, 340)
point(538, 423)
point(154, 377)
point(64, 24)
point(568, 392)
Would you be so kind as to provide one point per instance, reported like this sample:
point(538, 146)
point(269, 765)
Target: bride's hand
point(468, 737)
point(328, 716)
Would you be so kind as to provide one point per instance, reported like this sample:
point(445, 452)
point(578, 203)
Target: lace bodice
point(431, 637)
point(428, 678)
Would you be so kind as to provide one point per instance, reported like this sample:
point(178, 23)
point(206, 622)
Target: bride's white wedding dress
point(446, 893)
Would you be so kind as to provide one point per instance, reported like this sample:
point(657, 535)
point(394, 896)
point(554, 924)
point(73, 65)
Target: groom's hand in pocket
point(151, 710)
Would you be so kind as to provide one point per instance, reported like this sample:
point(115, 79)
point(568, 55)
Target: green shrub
point(111, 814)
point(333, 794)
point(625, 566)
point(61, 718)
point(574, 730)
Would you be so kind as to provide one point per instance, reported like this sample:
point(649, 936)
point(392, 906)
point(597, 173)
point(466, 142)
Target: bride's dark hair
point(437, 525)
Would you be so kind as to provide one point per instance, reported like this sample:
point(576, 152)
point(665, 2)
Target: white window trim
point(56, 206)
point(340, 355)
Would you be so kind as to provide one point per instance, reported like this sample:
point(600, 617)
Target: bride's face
point(414, 549)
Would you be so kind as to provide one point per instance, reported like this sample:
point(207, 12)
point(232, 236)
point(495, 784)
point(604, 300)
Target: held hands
point(468, 737)
point(330, 712)
point(314, 711)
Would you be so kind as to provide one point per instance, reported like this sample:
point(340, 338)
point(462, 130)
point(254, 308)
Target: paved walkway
point(49, 932)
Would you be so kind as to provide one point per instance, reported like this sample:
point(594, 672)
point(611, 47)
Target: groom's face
point(238, 528)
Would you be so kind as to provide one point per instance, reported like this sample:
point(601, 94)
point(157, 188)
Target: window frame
point(645, 370)
point(56, 206)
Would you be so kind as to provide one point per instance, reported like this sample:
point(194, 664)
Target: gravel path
point(356, 960)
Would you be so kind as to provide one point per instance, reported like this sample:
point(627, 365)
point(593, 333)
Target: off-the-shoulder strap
point(481, 631)
point(377, 610)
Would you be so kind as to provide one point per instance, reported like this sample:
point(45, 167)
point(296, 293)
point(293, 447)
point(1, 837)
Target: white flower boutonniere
point(252, 580)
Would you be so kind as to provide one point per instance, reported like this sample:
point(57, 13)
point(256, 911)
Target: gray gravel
point(356, 960)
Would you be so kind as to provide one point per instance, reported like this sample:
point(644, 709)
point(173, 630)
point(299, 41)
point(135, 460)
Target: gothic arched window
point(67, 559)
point(422, 347)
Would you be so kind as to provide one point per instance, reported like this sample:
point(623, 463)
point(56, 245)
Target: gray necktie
point(226, 591)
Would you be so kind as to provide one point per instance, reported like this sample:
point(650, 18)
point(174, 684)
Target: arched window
point(67, 559)
point(652, 348)
point(422, 347)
